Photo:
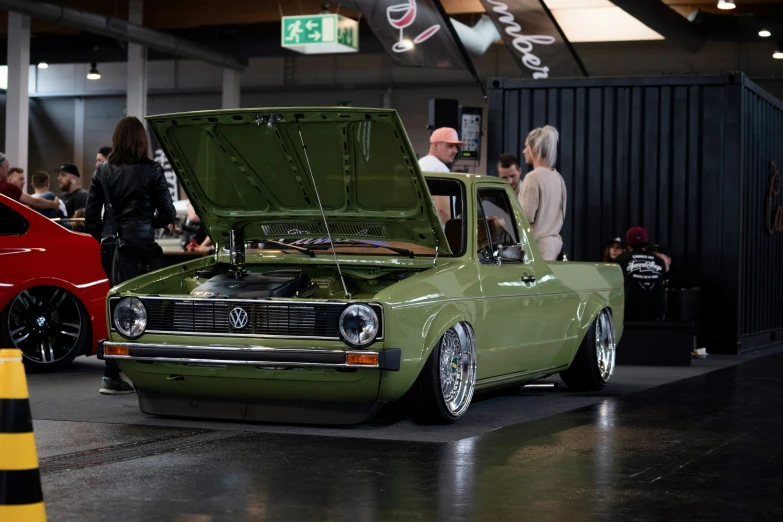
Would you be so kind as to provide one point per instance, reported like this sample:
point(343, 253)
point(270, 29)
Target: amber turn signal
point(116, 350)
point(361, 359)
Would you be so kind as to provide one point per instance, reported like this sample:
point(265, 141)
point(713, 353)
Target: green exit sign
point(320, 34)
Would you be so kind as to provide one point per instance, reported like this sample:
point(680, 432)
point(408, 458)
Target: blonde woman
point(543, 191)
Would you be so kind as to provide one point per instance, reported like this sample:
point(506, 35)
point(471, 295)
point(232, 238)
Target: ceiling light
point(726, 4)
point(778, 55)
point(43, 65)
point(93, 74)
point(764, 33)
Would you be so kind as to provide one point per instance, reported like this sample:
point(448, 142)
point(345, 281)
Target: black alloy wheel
point(49, 326)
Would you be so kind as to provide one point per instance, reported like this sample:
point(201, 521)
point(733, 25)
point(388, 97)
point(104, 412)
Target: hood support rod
point(323, 213)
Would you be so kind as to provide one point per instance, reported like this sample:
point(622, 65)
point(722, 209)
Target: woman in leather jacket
point(140, 202)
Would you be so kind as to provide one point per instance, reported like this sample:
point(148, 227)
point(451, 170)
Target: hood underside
point(264, 171)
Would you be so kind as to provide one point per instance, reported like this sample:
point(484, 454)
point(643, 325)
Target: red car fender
point(47, 254)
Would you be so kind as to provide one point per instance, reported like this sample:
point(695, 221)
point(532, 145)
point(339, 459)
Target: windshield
point(321, 246)
point(448, 196)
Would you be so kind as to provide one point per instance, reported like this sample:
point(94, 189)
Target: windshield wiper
point(403, 251)
point(308, 251)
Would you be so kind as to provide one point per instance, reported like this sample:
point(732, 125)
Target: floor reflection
point(703, 448)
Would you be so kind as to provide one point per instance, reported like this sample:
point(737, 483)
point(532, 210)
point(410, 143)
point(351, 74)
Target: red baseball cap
point(636, 236)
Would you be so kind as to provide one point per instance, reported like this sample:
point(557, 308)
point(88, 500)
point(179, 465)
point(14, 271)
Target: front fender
point(91, 295)
point(417, 330)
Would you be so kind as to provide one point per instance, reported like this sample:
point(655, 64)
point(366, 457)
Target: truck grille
point(307, 320)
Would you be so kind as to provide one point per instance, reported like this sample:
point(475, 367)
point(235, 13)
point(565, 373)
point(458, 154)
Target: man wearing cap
point(444, 143)
point(443, 148)
point(73, 195)
point(643, 271)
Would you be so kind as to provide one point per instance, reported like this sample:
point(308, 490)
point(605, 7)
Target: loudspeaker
point(443, 113)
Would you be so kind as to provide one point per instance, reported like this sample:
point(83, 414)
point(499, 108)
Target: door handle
point(529, 279)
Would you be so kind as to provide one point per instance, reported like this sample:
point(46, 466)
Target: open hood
point(247, 169)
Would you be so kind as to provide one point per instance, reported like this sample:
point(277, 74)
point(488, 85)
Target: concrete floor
point(698, 443)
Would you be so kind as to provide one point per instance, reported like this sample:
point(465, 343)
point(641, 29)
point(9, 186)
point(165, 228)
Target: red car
point(52, 289)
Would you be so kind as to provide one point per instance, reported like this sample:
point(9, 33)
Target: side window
point(448, 196)
point(495, 225)
point(11, 223)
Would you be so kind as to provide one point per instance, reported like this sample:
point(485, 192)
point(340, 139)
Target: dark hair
point(606, 257)
point(14, 170)
point(104, 151)
point(40, 178)
point(129, 142)
point(508, 160)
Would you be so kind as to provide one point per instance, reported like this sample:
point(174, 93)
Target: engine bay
point(258, 282)
point(275, 283)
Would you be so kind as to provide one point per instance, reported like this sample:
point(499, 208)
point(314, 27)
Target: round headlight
point(130, 317)
point(359, 325)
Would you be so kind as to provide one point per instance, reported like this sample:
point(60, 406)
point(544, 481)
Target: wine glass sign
point(401, 16)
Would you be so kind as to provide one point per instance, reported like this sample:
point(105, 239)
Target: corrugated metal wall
point(761, 308)
point(662, 153)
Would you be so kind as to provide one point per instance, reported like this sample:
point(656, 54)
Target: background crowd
point(72, 198)
point(542, 195)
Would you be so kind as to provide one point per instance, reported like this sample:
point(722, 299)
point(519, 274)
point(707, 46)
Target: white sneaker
point(700, 353)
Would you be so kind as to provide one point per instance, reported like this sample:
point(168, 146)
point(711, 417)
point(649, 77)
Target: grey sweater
point(543, 198)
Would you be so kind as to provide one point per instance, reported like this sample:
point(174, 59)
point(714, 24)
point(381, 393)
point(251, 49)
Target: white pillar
point(231, 84)
point(137, 66)
point(78, 139)
point(17, 108)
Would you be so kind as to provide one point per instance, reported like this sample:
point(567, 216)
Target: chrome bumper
point(388, 359)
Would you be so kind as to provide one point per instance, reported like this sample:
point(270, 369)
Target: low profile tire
point(593, 364)
point(444, 388)
point(49, 326)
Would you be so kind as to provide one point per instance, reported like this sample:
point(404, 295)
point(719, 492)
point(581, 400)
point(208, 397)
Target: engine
point(277, 283)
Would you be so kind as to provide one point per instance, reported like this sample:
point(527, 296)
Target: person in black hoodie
point(643, 272)
point(139, 202)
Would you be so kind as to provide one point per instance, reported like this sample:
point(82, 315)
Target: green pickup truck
point(336, 286)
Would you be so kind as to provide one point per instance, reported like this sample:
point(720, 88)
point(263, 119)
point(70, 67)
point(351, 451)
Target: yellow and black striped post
point(21, 497)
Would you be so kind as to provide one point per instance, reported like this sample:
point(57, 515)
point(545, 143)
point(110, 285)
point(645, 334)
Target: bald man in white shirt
point(444, 144)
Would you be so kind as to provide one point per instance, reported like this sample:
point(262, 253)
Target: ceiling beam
point(122, 30)
point(665, 21)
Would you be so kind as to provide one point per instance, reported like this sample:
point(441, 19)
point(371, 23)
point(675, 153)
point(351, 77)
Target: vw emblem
point(238, 318)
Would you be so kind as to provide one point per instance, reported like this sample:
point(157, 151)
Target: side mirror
point(511, 253)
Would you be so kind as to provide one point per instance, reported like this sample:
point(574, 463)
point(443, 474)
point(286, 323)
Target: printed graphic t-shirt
point(645, 295)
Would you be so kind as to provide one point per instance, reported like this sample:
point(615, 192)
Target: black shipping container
point(690, 159)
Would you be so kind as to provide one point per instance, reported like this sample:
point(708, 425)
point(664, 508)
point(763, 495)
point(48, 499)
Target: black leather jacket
point(136, 193)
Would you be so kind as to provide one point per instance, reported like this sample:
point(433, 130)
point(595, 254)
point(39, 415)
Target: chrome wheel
point(457, 368)
point(605, 346)
point(46, 324)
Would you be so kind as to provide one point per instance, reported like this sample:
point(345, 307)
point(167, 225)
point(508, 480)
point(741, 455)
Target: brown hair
point(606, 258)
point(14, 170)
point(508, 160)
point(129, 142)
point(40, 179)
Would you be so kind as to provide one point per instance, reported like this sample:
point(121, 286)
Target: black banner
point(536, 41)
point(416, 33)
point(163, 161)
